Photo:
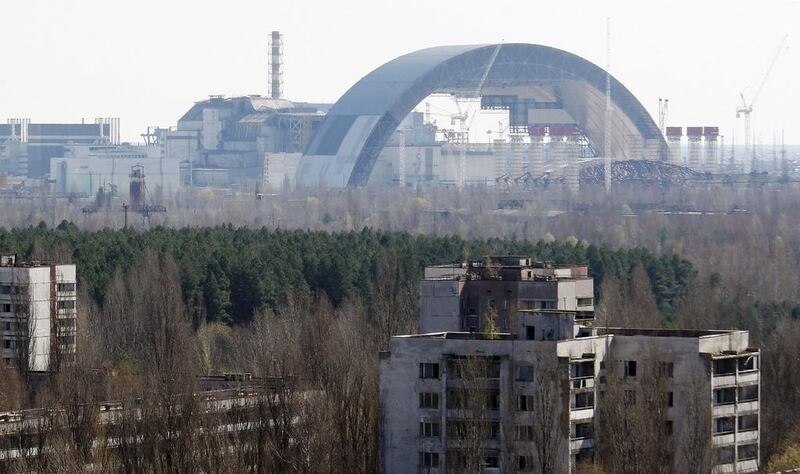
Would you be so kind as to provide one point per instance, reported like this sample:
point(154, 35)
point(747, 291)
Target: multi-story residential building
point(460, 297)
point(535, 391)
point(37, 314)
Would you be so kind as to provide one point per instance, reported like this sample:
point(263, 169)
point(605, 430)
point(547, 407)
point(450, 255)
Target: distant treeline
point(228, 274)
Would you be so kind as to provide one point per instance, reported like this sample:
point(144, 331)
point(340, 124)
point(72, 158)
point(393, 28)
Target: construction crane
point(747, 107)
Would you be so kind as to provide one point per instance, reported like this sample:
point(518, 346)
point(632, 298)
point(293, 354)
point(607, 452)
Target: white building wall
point(36, 301)
point(86, 175)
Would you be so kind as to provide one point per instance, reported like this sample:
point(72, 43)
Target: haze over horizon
point(147, 62)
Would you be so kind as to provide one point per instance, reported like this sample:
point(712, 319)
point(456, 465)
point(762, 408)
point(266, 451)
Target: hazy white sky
point(147, 61)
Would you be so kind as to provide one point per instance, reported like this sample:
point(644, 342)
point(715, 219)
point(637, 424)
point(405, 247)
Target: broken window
point(630, 368)
point(724, 425)
point(748, 393)
point(724, 366)
point(748, 363)
point(429, 400)
point(725, 455)
point(724, 396)
point(427, 459)
point(748, 422)
point(747, 451)
point(429, 429)
point(523, 373)
point(428, 370)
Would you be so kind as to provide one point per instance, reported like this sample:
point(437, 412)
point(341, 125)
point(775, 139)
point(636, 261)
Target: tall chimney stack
point(276, 65)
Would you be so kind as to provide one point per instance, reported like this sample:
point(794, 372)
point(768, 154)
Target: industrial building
point(86, 168)
point(555, 101)
point(38, 314)
point(26, 148)
point(517, 372)
point(235, 135)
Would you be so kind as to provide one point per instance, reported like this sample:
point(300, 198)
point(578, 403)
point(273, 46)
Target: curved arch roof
point(358, 125)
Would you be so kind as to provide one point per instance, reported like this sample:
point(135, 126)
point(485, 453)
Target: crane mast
point(746, 108)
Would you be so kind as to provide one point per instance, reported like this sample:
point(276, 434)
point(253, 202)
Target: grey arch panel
point(357, 127)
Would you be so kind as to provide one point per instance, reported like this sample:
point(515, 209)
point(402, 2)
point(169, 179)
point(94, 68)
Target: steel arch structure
point(345, 148)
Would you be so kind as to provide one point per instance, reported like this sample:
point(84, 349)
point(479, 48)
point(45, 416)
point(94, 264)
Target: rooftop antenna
point(276, 65)
point(607, 140)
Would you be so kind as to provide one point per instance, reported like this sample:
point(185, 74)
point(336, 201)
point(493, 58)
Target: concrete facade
point(37, 310)
point(459, 298)
point(549, 368)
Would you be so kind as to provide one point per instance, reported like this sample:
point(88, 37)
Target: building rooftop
point(507, 267)
point(478, 336)
point(664, 332)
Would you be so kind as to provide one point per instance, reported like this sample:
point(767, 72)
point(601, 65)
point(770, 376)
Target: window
point(525, 403)
point(6, 307)
point(525, 463)
point(523, 432)
point(668, 427)
point(429, 459)
point(537, 304)
point(491, 460)
point(724, 425)
point(584, 430)
point(725, 455)
point(724, 366)
point(493, 400)
point(666, 369)
point(630, 368)
point(584, 400)
point(585, 301)
point(582, 369)
point(8, 326)
point(748, 393)
point(5, 290)
point(428, 370)
point(748, 422)
point(530, 333)
point(670, 399)
point(66, 287)
point(747, 451)
point(7, 343)
point(724, 396)
point(494, 430)
point(748, 363)
point(429, 400)
point(429, 429)
point(523, 373)
point(68, 304)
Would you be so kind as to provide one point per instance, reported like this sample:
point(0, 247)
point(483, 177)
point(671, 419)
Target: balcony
point(723, 380)
point(579, 444)
point(722, 410)
point(577, 414)
point(744, 436)
point(748, 377)
point(748, 406)
point(582, 383)
point(724, 439)
point(751, 465)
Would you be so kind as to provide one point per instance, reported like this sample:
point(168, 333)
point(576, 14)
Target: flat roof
point(480, 336)
point(664, 332)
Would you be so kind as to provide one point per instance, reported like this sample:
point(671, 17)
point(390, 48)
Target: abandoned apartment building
point(37, 314)
point(513, 343)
